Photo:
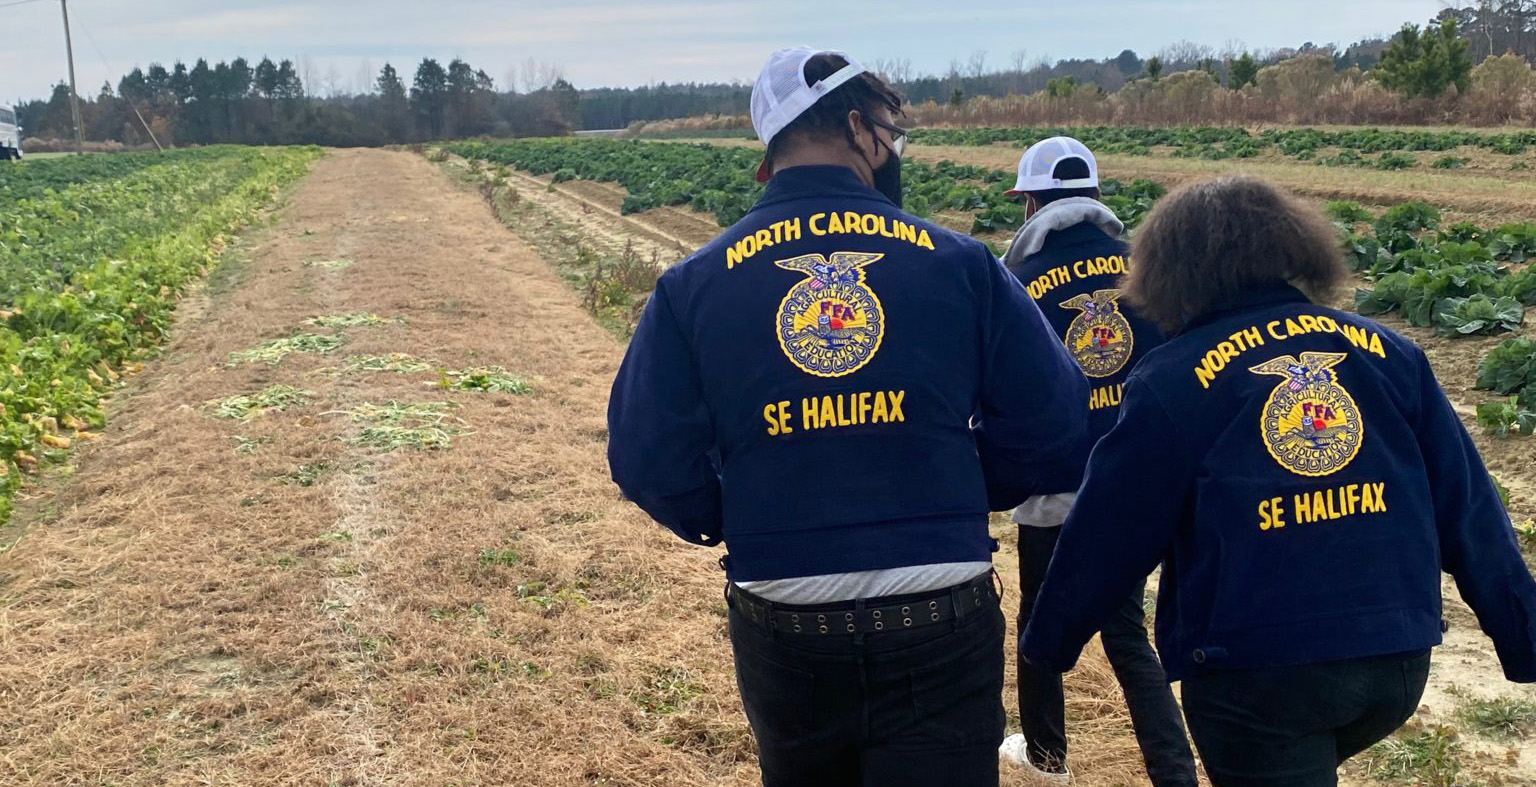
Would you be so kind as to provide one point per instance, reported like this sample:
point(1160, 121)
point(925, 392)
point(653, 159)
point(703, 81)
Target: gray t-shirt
point(1045, 510)
point(829, 588)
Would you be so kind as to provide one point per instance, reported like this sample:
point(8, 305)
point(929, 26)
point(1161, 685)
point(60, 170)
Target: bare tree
point(307, 75)
point(1020, 58)
point(538, 75)
point(977, 65)
point(363, 84)
point(1485, 10)
point(893, 70)
point(332, 81)
point(901, 70)
point(1184, 53)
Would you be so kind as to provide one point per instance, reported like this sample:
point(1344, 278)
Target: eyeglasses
point(898, 135)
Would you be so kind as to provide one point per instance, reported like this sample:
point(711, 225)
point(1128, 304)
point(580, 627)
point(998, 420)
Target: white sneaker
point(1012, 751)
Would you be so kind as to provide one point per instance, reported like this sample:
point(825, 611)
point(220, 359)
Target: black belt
point(890, 613)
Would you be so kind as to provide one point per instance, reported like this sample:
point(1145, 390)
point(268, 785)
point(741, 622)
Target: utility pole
point(74, 95)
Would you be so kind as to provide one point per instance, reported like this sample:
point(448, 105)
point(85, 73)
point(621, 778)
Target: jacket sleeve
point(661, 439)
point(1033, 406)
point(1477, 542)
point(1123, 523)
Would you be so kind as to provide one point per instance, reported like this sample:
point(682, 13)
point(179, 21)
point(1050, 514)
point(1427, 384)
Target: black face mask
point(888, 178)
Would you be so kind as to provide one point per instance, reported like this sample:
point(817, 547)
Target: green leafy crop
point(94, 254)
point(1509, 368)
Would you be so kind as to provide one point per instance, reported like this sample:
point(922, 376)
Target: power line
point(108, 67)
point(19, 2)
point(74, 94)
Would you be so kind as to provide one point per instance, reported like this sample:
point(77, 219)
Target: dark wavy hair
point(1209, 241)
point(829, 115)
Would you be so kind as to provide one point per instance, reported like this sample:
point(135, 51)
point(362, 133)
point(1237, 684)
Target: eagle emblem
point(1310, 424)
point(1099, 337)
point(830, 323)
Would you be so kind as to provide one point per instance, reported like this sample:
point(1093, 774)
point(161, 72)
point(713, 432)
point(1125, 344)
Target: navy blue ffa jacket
point(1075, 279)
point(1305, 481)
point(833, 385)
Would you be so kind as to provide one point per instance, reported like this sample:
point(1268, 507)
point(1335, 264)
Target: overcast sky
point(626, 43)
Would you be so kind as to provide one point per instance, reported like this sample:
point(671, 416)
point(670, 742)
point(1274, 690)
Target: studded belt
point(891, 613)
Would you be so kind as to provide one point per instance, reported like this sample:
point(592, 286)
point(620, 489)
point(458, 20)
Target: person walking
point(1070, 258)
point(1304, 482)
point(841, 392)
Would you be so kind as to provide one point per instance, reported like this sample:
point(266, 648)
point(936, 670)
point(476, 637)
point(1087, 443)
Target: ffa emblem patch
point(1310, 424)
point(830, 324)
point(1100, 337)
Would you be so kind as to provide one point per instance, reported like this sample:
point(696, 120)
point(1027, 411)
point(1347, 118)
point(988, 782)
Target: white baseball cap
point(780, 94)
point(1037, 167)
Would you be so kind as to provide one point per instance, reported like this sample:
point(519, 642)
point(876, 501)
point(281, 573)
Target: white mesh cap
point(1037, 166)
point(780, 94)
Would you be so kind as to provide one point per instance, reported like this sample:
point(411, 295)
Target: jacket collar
point(816, 181)
point(1058, 216)
point(1263, 294)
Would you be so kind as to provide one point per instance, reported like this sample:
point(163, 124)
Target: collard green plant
point(1520, 286)
point(1477, 314)
point(1502, 419)
point(1347, 212)
point(1509, 368)
point(1462, 232)
point(1365, 253)
point(1514, 242)
point(1409, 217)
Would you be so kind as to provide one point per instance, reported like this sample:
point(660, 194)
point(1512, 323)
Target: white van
point(10, 134)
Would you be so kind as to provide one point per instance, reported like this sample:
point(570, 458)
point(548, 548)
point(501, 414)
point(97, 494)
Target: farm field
point(352, 525)
point(79, 305)
point(1491, 194)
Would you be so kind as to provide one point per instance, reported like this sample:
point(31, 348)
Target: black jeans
point(1154, 712)
point(891, 708)
point(1294, 726)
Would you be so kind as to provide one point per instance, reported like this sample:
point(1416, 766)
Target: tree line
point(1427, 62)
point(1488, 29)
point(1421, 76)
point(270, 103)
